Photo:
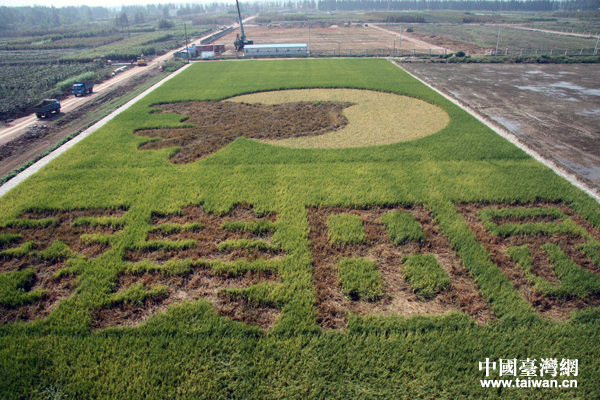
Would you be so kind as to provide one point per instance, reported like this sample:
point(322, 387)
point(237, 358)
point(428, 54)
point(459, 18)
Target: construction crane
point(240, 41)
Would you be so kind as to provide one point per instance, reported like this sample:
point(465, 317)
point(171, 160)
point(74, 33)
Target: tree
point(164, 24)
point(166, 12)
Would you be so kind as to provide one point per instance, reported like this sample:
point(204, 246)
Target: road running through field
point(555, 32)
point(18, 127)
point(417, 42)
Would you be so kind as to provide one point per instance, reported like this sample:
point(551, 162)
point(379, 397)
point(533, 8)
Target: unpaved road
point(552, 109)
point(17, 148)
point(417, 44)
point(556, 32)
point(13, 129)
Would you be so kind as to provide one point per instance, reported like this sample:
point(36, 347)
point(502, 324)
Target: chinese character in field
point(528, 367)
point(508, 367)
point(549, 366)
point(487, 365)
point(569, 367)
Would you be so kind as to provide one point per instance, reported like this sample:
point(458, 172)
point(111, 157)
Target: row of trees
point(462, 5)
point(30, 17)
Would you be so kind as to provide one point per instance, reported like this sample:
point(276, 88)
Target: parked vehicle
point(46, 107)
point(81, 88)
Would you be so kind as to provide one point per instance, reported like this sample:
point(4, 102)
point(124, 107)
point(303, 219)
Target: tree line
point(459, 5)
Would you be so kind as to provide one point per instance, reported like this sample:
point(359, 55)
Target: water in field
point(591, 172)
point(560, 90)
point(512, 126)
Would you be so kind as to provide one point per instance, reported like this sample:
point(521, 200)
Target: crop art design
point(216, 124)
point(550, 253)
point(386, 260)
point(307, 118)
point(34, 249)
point(228, 260)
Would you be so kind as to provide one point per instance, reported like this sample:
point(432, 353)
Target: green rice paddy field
point(125, 276)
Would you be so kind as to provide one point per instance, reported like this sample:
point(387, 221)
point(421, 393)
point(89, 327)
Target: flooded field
point(553, 109)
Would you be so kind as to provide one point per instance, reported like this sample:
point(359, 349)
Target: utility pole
point(187, 50)
point(498, 42)
point(596, 48)
point(400, 40)
point(308, 39)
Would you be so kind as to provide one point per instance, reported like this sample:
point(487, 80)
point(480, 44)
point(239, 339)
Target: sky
point(92, 3)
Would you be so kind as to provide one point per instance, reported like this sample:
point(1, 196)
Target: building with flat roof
point(298, 49)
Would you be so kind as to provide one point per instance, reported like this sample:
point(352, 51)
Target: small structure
point(207, 55)
point(300, 49)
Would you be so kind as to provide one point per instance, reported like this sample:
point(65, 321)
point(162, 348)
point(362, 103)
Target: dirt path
point(554, 32)
point(44, 161)
point(417, 42)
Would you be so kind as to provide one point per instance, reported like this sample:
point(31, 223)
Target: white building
point(300, 49)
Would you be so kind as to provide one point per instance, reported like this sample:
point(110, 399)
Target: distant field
point(263, 271)
point(486, 36)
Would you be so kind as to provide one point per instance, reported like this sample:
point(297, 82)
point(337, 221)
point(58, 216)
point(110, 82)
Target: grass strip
point(522, 256)
point(137, 294)
point(168, 228)
point(529, 228)
point(99, 221)
point(574, 280)
point(346, 229)
point(248, 244)
point(14, 286)
point(360, 279)
point(425, 274)
point(402, 227)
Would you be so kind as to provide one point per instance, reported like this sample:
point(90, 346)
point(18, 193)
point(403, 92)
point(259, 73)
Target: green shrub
point(360, 279)
point(425, 275)
point(403, 227)
point(346, 229)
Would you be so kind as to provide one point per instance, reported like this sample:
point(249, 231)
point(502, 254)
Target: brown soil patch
point(549, 307)
point(202, 283)
point(208, 237)
point(462, 295)
point(55, 289)
point(376, 118)
point(453, 45)
point(62, 230)
point(219, 123)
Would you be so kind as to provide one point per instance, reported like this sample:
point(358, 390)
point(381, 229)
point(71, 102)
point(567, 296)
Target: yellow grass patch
point(376, 118)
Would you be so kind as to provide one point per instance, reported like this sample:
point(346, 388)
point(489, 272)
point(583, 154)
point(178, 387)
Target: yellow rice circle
point(377, 118)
